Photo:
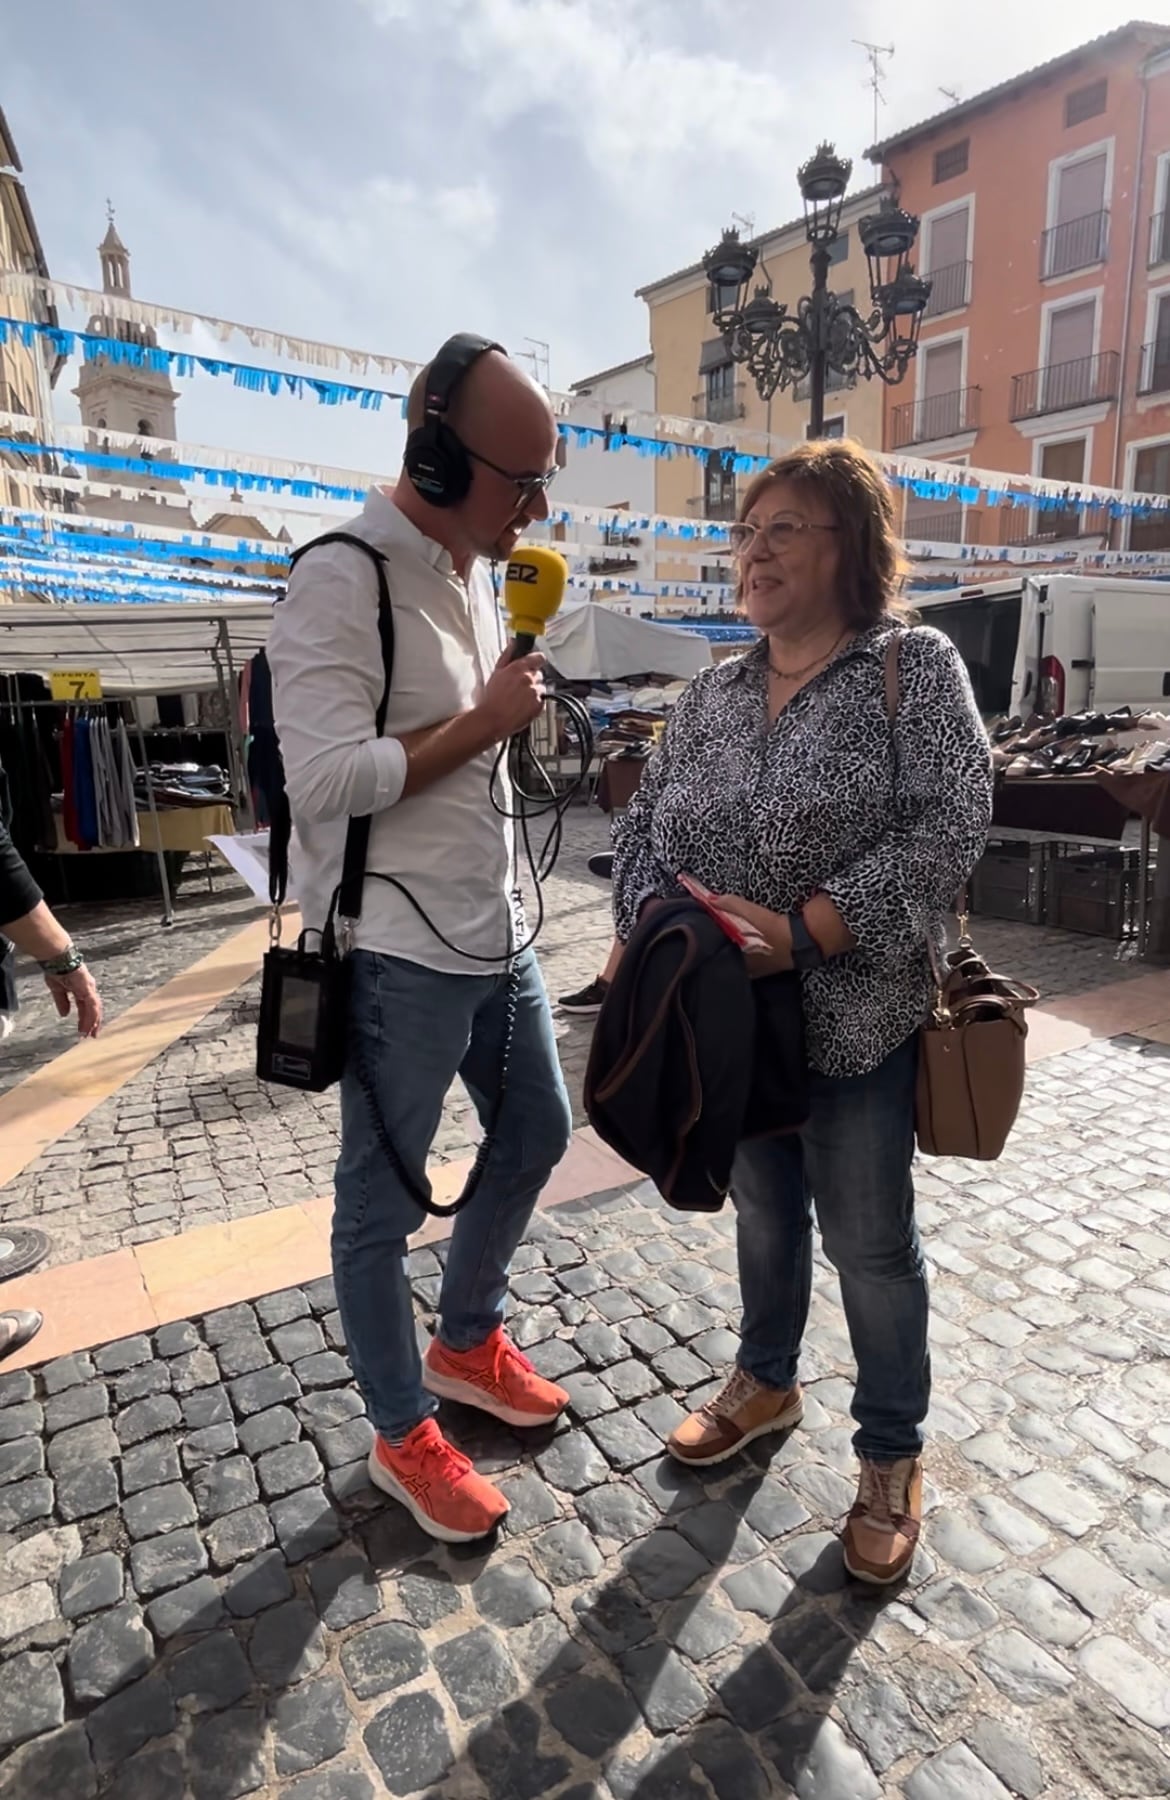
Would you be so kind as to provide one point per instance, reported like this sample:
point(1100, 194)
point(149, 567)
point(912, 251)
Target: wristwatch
point(806, 952)
point(67, 963)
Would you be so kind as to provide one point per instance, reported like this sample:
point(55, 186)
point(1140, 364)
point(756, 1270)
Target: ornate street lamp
point(781, 347)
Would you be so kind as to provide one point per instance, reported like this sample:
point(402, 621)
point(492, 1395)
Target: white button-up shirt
point(447, 845)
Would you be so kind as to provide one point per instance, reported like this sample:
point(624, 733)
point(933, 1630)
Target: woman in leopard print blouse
point(843, 838)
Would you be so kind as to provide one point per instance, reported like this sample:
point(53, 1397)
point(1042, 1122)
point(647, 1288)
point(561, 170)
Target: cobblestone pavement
point(200, 1596)
point(129, 954)
point(196, 1139)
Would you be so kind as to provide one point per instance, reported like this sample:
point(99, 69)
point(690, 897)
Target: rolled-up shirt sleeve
point(19, 893)
point(893, 894)
point(327, 677)
point(638, 875)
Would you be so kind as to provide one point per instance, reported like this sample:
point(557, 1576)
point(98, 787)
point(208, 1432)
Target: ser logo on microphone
point(523, 572)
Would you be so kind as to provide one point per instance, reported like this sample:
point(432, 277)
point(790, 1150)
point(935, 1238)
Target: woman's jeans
point(416, 1030)
point(853, 1158)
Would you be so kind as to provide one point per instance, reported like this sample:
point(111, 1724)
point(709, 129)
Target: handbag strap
point(347, 902)
point(893, 691)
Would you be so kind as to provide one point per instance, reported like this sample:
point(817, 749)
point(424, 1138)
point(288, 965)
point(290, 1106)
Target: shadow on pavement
point(656, 1645)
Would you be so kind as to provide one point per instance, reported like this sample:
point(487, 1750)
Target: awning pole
point(234, 734)
point(168, 917)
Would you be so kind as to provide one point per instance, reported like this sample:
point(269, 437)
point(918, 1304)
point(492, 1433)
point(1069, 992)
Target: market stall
point(631, 672)
point(101, 662)
point(1080, 838)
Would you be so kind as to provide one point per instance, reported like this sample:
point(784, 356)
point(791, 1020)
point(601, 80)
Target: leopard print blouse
point(887, 820)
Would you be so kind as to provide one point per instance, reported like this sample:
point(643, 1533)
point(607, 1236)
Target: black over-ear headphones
point(436, 463)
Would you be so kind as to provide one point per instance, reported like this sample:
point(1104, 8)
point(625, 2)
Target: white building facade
point(610, 565)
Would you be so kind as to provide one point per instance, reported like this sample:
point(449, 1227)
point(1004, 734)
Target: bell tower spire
point(124, 395)
point(115, 258)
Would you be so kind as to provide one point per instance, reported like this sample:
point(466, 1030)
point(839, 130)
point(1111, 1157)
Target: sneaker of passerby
point(588, 1001)
point(18, 1328)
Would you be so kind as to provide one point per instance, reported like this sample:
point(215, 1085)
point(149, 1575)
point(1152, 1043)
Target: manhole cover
point(21, 1249)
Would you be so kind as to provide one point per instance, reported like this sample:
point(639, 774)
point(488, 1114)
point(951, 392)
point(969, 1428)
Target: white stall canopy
point(588, 642)
point(180, 648)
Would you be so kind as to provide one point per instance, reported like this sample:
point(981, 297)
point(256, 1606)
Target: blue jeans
point(416, 1030)
point(854, 1158)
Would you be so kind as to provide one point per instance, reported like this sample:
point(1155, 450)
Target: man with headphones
point(431, 990)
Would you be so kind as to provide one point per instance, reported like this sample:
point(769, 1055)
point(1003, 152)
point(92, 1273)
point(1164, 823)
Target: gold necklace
point(795, 674)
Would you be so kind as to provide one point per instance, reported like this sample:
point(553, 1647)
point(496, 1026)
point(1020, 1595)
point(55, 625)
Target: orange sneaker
point(437, 1484)
point(496, 1378)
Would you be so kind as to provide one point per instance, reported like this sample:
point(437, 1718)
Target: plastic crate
point(1094, 893)
point(1008, 883)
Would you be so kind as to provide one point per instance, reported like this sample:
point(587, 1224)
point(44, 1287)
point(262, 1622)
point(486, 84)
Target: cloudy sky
point(382, 172)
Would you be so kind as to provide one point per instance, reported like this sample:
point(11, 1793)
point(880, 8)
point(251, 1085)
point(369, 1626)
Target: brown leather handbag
point(972, 1048)
point(971, 1056)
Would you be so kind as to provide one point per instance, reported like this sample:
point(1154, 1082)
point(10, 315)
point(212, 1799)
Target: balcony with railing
point(835, 383)
point(933, 417)
point(1159, 251)
point(1029, 525)
point(1150, 533)
point(702, 508)
point(934, 522)
point(1088, 381)
point(1077, 244)
point(1154, 375)
point(720, 407)
point(950, 289)
point(617, 564)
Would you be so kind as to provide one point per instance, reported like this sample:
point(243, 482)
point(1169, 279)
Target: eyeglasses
point(527, 486)
point(779, 535)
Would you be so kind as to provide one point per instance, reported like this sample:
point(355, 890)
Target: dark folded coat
point(690, 1056)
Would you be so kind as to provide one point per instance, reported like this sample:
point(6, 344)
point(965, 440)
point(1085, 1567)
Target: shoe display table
point(1100, 809)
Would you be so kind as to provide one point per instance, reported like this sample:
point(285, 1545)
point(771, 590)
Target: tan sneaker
point(881, 1532)
point(743, 1409)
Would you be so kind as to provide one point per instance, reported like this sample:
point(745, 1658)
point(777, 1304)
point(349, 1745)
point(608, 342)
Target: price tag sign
point(75, 684)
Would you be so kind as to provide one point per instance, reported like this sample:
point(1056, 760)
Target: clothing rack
point(145, 650)
point(17, 703)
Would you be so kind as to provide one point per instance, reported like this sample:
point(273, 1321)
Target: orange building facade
point(1045, 209)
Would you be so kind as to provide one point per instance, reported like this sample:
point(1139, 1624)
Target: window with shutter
point(940, 397)
point(952, 161)
point(1151, 475)
point(1076, 236)
point(1086, 102)
point(1061, 462)
point(945, 260)
point(1070, 375)
point(1156, 357)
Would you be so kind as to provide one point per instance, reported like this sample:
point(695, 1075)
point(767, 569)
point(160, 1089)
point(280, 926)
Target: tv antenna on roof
point(537, 354)
point(951, 94)
point(875, 55)
point(746, 223)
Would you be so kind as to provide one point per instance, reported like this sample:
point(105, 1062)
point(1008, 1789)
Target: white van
point(1059, 643)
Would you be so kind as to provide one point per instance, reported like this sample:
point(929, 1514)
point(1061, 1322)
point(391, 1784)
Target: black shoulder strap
point(357, 838)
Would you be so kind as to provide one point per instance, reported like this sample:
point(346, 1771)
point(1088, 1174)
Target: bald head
point(493, 385)
point(506, 425)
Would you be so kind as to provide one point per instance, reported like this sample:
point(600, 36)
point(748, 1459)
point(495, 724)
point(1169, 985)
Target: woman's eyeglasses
point(779, 535)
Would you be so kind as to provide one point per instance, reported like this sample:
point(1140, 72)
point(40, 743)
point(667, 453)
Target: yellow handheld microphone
point(534, 586)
